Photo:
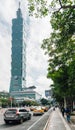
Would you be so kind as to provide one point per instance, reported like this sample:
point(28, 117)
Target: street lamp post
point(11, 101)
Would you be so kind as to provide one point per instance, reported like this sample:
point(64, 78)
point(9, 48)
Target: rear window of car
point(11, 111)
point(22, 110)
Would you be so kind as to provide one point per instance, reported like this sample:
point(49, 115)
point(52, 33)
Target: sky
point(36, 61)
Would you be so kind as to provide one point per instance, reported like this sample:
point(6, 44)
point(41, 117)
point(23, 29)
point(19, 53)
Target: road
point(36, 123)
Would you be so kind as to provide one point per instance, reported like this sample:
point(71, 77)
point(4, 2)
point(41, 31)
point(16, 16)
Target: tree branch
point(60, 3)
point(68, 6)
point(65, 7)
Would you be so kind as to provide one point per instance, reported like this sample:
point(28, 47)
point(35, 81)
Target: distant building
point(26, 95)
point(48, 93)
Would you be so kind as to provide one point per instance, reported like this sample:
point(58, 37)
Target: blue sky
point(36, 61)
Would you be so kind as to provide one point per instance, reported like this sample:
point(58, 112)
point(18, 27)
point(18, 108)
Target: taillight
point(17, 112)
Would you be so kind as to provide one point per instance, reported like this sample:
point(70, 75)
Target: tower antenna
point(19, 4)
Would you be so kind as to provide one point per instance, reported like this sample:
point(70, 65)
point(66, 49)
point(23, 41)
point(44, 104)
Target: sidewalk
point(58, 122)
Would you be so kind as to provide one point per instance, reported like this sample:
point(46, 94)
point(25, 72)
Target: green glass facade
point(18, 56)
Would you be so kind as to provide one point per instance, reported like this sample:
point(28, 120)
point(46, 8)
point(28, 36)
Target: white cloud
point(7, 8)
point(43, 84)
point(41, 29)
point(6, 14)
point(43, 81)
point(30, 81)
point(5, 59)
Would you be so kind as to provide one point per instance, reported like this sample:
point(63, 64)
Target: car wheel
point(6, 122)
point(29, 117)
point(21, 121)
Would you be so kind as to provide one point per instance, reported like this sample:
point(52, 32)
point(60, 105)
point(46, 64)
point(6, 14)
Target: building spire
point(19, 14)
point(19, 4)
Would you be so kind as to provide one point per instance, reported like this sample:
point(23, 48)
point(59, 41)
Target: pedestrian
point(63, 110)
point(68, 114)
point(53, 108)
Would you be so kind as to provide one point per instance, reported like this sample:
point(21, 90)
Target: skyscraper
point(18, 56)
point(20, 35)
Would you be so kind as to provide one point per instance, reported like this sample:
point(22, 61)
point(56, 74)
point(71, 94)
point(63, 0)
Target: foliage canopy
point(60, 46)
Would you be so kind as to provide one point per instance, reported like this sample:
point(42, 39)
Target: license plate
point(9, 115)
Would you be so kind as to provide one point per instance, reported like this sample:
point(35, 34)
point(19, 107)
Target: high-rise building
point(18, 89)
point(18, 56)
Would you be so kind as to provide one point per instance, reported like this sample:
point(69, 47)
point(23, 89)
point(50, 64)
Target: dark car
point(16, 115)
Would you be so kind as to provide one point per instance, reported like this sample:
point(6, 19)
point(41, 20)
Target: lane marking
point(34, 123)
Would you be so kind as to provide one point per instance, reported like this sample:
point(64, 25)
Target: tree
point(61, 50)
point(43, 8)
point(44, 101)
point(29, 103)
point(60, 46)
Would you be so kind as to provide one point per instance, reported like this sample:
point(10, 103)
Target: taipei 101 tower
point(18, 55)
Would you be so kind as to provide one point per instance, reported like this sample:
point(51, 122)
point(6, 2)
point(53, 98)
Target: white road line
point(36, 122)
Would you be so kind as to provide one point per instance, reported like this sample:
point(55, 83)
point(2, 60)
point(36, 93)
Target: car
point(45, 108)
point(38, 111)
point(32, 108)
point(16, 115)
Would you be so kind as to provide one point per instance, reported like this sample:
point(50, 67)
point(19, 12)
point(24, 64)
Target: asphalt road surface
point(36, 123)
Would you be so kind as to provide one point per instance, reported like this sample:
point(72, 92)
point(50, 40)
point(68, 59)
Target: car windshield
point(22, 110)
point(10, 111)
point(38, 108)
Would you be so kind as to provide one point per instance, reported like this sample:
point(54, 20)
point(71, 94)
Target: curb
point(65, 123)
point(47, 123)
